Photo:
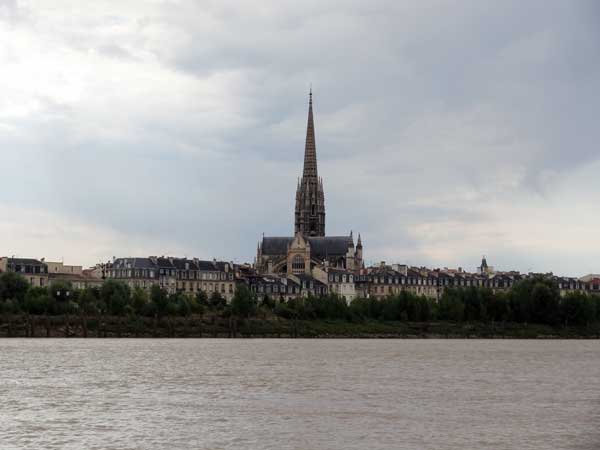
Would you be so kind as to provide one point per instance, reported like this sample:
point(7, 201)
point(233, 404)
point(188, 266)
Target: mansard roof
point(168, 263)
point(133, 263)
point(25, 261)
point(320, 246)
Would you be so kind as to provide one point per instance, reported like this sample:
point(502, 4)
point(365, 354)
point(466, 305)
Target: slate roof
point(25, 261)
point(135, 263)
point(320, 247)
point(168, 263)
point(275, 245)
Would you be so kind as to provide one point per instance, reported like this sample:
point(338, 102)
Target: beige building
point(33, 270)
point(183, 275)
point(58, 271)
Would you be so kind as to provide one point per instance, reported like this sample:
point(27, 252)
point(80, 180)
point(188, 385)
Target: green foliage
point(577, 308)
point(89, 301)
point(159, 298)
point(498, 308)
point(243, 303)
point(13, 287)
point(139, 300)
point(217, 301)
point(38, 301)
point(179, 304)
point(116, 296)
point(535, 300)
point(196, 307)
point(452, 305)
point(201, 298)
point(367, 308)
point(267, 302)
point(327, 307)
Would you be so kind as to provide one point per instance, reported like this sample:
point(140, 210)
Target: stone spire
point(310, 200)
point(310, 149)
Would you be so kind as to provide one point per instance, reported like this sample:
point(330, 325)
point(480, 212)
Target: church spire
point(310, 200)
point(310, 150)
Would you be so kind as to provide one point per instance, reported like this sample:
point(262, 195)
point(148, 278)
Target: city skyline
point(143, 139)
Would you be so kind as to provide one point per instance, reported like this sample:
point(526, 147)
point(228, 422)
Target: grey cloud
point(412, 102)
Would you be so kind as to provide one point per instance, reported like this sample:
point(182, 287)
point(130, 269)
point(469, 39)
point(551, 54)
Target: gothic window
point(313, 210)
point(298, 264)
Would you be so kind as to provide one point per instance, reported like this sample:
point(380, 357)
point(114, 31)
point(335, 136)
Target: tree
point(243, 303)
point(37, 301)
point(179, 305)
point(139, 300)
point(497, 307)
point(116, 296)
point(89, 300)
point(217, 301)
point(13, 287)
point(451, 306)
point(472, 301)
point(201, 298)
point(366, 308)
point(159, 297)
point(267, 302)
point(545, 304)
point(577, 308)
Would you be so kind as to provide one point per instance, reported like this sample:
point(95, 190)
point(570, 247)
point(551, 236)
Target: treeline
point(534, 300)
point(114, 298)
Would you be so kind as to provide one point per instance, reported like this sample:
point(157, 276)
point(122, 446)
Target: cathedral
point(309, 250)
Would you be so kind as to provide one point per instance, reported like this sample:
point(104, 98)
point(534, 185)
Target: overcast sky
point(445, 129)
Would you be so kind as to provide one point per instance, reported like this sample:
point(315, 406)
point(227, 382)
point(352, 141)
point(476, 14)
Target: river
point(151, 394)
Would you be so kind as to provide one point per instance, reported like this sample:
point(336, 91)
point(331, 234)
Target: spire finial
point(310, 94)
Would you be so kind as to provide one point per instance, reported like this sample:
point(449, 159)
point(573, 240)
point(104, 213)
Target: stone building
point(33, 270)
point(309, 250)
point(341, 282)
point(183, 275)
point(285, 287)
point(75, 275)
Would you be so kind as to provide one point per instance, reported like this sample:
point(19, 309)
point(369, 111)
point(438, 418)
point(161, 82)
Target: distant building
point(484, 269)
point(285, 287)
point(341, 282)
point(75, 275)
point(183, 275)
point(309, 253)
point(33, 270)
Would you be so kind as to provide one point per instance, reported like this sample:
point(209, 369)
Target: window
point(298, 264)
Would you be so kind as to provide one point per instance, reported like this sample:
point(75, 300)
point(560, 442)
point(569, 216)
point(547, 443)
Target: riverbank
point(273, 327)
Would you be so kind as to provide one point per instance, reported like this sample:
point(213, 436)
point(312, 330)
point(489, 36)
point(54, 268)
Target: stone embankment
point(272, 327)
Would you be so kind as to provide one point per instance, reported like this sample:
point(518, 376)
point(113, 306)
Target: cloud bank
point(444, 131)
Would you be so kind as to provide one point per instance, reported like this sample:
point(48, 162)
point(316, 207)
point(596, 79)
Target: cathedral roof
point(323, 246)
point(320, 246)
point(275, 245)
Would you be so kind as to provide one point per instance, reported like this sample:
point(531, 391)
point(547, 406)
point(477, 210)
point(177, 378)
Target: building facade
point(309, 252)
point(188, 276)
point(33, 270)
